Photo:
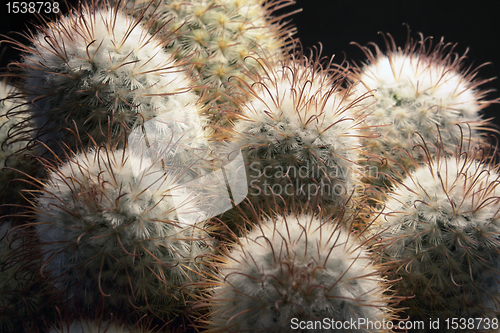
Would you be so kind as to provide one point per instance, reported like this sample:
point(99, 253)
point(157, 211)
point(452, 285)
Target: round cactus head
point(219, 36)
point(115, 236)
point(291, 269)
point(421, 91)
point(299, 130)
point(98, 72)
point(441, 226)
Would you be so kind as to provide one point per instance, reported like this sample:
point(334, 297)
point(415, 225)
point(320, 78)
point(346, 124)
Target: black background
point(335, 24)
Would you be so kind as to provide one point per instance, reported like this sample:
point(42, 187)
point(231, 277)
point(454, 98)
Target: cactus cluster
point(145, 121)
point(442, 228)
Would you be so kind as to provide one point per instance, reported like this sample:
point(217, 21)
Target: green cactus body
point(442, 224)
point(299, 133)
point(102, 71)
point(219, 36)
point(111, 234)
point(421, 93)
point(291, 269)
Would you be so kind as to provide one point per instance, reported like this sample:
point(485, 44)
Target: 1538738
point(40, 7)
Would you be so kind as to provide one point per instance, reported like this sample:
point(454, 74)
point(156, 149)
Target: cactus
point(299, 132)
point(110, 234)
point(221, 34)
point(98, 72)
point(299, 267)
point(420, 92)
point(442, 225)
